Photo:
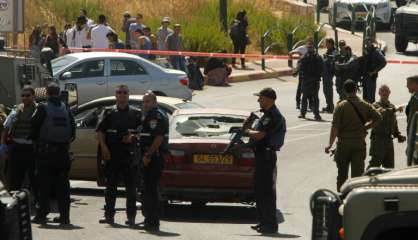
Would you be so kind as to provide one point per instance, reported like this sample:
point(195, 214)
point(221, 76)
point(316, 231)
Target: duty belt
point(116, 131)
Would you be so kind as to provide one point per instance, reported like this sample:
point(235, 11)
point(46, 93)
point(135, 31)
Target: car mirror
point(66, 76)
point(235, 129)
point(71, 89)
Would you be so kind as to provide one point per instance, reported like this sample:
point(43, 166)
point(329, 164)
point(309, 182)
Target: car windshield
point(187, 105)
point(61, 62)
point(204, 126)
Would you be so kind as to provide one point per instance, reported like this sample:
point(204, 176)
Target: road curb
point(260, 75)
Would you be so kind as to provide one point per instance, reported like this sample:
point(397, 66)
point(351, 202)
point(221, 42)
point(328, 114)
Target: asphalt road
point(303, 167)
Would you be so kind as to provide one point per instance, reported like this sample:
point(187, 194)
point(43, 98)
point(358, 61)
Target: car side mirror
point(66, 76)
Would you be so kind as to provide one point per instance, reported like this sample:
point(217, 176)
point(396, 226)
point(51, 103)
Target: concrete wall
point(293, 8)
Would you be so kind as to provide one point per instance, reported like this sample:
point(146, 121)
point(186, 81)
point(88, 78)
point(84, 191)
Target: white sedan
point(96, 75)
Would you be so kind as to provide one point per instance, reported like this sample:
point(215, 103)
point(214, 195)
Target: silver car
point(96, 75)
point(84, 166)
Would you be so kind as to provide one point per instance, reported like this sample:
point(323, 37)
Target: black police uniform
point(311, 68)
point(53, 130)
point(328, 75)
point(155, 123)
point(115, 124)
point(265, 168)
point(373, 61)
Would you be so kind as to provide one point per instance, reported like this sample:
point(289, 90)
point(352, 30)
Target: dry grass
point(187, 12)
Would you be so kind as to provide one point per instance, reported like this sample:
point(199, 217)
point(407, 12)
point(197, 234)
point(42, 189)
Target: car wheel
point(164, 205)
point(198, 204)
point(400, 43)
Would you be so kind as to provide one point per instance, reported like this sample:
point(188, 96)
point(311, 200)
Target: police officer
point(351, 120)
point(53, 129)
point(154, 146)
point(311, 69)
point(268, 136)
point(346, 67)
point(412, 107)
point(381, 145)
point(115, 133)
point(17, 130)
point(374, 62)
point(329, 60)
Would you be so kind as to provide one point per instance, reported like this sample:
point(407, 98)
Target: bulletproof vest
point(146, 137)
point(275, 139)
point(21, 128)
point(56, 127)
point(122, 123)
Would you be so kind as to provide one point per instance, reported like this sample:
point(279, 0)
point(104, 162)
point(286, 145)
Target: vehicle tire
point(164, 205)
point(158, 93)
point(198, 204)
point(400, 43)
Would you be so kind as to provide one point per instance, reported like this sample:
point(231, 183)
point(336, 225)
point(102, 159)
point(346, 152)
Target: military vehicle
point(18, 71)
point(381, 205)
point(406, 25)
point(14, 215)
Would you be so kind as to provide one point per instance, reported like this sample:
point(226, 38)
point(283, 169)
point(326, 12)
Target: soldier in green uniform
point(381, 145)
point(351, 120)
point(412, 107)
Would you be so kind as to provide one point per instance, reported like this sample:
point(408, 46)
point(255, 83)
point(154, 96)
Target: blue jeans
point(178, 62)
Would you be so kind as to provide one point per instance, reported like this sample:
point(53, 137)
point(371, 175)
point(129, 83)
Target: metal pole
point(353, 19)
point(223, 14)
point(289, 48)
point(15, 23)
point(334, 25)
point(318, 9)
point(263, 61)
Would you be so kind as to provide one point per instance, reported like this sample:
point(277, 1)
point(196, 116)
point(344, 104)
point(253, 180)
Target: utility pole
point(223, 14)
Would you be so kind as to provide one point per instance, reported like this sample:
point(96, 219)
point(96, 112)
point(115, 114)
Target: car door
point(90, 79)
point(130, 73)
point(84, 147)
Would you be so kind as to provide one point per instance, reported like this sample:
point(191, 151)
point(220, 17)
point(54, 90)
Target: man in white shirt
point(99, 32)
point(77, 36)
point(163, 33)
point(90, 22)
point(135, 26)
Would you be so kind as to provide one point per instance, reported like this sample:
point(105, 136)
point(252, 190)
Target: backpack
point(235, 30)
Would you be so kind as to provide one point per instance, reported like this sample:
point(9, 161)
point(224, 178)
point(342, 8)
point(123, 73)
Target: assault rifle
point(238, 134)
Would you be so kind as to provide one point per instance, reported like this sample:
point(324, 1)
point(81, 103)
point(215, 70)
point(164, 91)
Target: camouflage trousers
point(350, 152)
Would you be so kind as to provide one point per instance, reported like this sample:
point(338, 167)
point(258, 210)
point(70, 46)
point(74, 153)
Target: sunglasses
point(122, 92)
point(25, 95)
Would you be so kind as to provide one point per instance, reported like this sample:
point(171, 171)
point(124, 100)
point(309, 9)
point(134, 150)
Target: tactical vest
point(146, 137)
point(21, 128)
point(275, 139)
point(56, 127)
point(121, 125)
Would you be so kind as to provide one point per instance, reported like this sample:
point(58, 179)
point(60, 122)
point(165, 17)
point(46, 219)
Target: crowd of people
point(45, 43)
point(341, 64)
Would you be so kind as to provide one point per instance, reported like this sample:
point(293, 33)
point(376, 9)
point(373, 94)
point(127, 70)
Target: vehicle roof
point(160, 99)
point(84, 55)
point(220, 111)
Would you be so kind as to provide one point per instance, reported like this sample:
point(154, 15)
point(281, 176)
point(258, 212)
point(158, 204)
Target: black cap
point(267, 92)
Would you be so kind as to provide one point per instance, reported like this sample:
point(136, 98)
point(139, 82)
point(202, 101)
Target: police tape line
point(183, 53)
point(207, 54)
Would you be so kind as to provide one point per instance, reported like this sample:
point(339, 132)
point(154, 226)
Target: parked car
point(345, 7)
point(196, 169)
point(97, 74)
point(84, 148)
point(406, 26)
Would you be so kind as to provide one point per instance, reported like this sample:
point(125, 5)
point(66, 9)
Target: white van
point(345, 7)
